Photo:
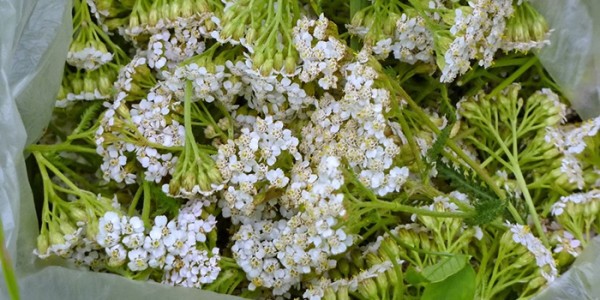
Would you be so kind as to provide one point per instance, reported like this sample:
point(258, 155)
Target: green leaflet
point(459, 286)
point(88, 117)
point(446, 267)
point(487, 205)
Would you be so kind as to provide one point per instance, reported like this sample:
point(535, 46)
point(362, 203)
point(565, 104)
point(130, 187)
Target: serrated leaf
point(459, 286)
point(445, 268)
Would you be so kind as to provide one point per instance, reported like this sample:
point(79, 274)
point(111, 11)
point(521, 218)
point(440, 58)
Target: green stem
point(41, 159)
point(355, 6)
point(134, 202)
point(395, 206)
point(60, 147)
point(411, 143)
point(7, 268)
point(510, 79)
point(147, 204)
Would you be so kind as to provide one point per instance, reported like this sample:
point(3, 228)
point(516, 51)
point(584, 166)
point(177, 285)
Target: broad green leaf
point(413, 277)
point(460, 286)
point(445, 268)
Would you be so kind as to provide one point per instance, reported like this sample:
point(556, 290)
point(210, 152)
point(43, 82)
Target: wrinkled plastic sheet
point(582, 281)
point(34, 38)
point(573, 57)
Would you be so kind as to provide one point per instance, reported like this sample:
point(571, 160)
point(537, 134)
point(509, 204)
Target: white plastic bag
point(34, 39)
point(573, 57)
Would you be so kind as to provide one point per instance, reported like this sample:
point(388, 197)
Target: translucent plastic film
point(34, 38)
point(573, 58)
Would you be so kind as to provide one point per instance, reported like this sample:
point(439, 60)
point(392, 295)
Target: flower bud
point(188, 181)
point(408, 238)
point(357, 260)
point(425, 241)
point(524, 260)
point(382, 283)
point(203, 7)
point(430, 222)
point(536, 283)
point(358, 18)
point(250, 35)
point(343, 293)
point(564, 258)
point(134, 21)
point(267, 67)
point(329, 294)
point(258, 59)
point(278, 61)
point(105, 85)
point(239, 31)
point(368, 289)
point(174, 187)
point(77, 85)
point(344, 267)
point(389, 25)
point(123, 111)
point(590, 210)
point(91, 230)
point(56, 238)
point(175, 11)
point(506, 241)
point(89, 84)
point(42, 244)
point(392, 276)
point(66, 227)
point(290, 64)
point(389, 248)
point(335, 274)
point(62, 93)
point(373, 259)
point(153, 16)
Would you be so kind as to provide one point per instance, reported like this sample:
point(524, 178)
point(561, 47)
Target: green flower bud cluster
point(499, 121)
point(195, 172)
point(526, 25)
point(92, 85)
point(374, 275)
point(578, 214)
point(377, 21)
point(146, 15)
point(266, 29)
point(513, 260)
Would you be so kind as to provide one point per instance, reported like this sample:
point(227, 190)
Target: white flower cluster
point(571, 142)
point(543, 257)
point(477, 35)
point(320, 53)
point(89, 58)
point(168, 48)
point(525, 46)
point(170, 246)
point(275, 253)
point(275, 94)
point(567, 243)
point(411, 43)
point(576, 199)
point(249, 161)
point(148, 119)
point(208, 85)
point(354, 128)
